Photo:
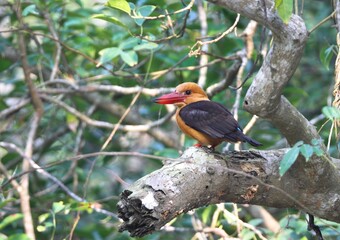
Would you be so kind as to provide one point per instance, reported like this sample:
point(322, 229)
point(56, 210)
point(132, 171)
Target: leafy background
point(104, 44)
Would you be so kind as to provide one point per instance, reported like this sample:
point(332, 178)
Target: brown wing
point(212, 119)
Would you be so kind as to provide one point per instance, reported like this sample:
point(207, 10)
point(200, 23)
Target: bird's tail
point(251, 141)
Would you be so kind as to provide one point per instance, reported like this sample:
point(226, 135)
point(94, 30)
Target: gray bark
point(199, 178)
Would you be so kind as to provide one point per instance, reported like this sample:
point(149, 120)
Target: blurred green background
point(103, 46)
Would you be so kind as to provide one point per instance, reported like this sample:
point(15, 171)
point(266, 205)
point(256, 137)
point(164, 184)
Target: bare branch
point(196, 48)
point(264, 97)
point(57, 43)
point(120, 121)
point(135, 119)
point(38, 107)
point(16, 107)
point(336, 91)
point(101, 124)
point(268, 220)
point(204, 31)
point(43, 172)
point(226, 82)
point(187, 8)
point(199, 178)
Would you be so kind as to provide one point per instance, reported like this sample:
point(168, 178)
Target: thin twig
point(199, 44)
point(75, 223)
point(14, 108)
point(101, 124)
point(250, 124)
point(202, 16)
point(237, 220)
point(238, 223)
point(54, 179)
point(187, 8)
point(322, 22)
point(15, 184)
point(197, 225)
point(57, 43)
point(315, 228)
point(174, 35)
point(95, 154)
point(236, 105)
point(107, 88)
point(161, 73)
point(226, 82)
point(120, 121)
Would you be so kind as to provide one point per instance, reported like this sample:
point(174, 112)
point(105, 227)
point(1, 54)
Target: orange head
point(184, 94)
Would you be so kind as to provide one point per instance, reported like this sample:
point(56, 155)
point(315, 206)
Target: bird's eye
point(187, 92)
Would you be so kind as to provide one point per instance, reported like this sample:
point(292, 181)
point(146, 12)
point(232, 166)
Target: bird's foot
point(210, 149)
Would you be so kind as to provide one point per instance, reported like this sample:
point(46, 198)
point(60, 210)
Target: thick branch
point(264, 97)
point(199, 178)
point(251, 177)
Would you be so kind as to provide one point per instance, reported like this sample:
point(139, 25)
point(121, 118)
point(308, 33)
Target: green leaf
point(130, 58)
point(3, 152)
point(58, 206)
point(119, 4)
point(284, 9)
point(331, 112)
point(30, 9)
point(5, 202)
point(316, 142)
point(132, 6)
point(143, 11)
point(129, 43)
point(79, 3)
point(146, 46)
point(278, 3)
point(81, 206)
point(19, 236)
point(110, 19)
point(326, 55)
point(298, 144)
point(10, 219)
point(4, 64)
point(255, 222)
point(42, 218)
point(318, 151)
point(307, 151)
point(72, 122)
point(107, 54)
point(207, 214)
point(41, 228)
point(288, 159)
point(247, 234)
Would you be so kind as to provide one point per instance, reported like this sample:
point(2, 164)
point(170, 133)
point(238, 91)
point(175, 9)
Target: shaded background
point(84, 68)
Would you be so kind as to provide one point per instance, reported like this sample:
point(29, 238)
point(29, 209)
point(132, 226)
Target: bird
point(209, 122)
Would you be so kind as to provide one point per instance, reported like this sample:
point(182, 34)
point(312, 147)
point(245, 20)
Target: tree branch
point(38, 112)
point(264, 97)
point(199, 178)
point(54, 179)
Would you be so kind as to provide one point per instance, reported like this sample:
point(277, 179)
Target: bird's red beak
point(170, 98)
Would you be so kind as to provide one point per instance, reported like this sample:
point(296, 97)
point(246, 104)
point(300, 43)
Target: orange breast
point(200, 137)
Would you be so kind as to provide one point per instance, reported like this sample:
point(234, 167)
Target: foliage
point(88, 47)
point(284, 9)
point(306, 150)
